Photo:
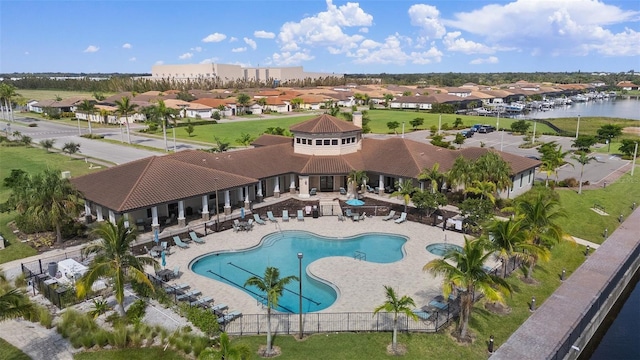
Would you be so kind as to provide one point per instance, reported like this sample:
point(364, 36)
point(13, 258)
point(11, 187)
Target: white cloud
point(326, 28)
point(489, 60)
point(287, 58)
point(426, 17)
point(575, 27)
point(132, 59)
point(364, 30)
point(196, 49)
point(239, 49)
point(209, 61)
point(215, 37)
point(453, 42)
point(233, 39)
point(261, 34)
point(91, 49)
point(159, 62)
point(185, 56)
point(126, 46)
point(251, 43)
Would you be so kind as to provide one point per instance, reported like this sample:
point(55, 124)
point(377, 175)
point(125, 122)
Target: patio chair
point(257, 219)
point(392, 213)
point(271, 217)
point(370, 189)
point(355, 217)
point(164, 245)
point(249, 224)
point(285, 215)
point(218, 309)
point(229, 317)
point(189, 295)
point(179, 243)
point(340, 217)
point(176, 287)
point(363, 216)
point(236, 225)
point(313, 191)
point(343, 191)
point(195, 238)
point(438, 305)
point(348, 213)
point(402, 218)
point(176, 272)
point(421, 314)
point(300, 215)
point(202, 301)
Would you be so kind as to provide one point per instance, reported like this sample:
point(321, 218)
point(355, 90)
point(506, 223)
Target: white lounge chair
point(271, 217)
point(218, 309)
point(300, 215)
point(402, 218)
point(195, 237)
point(285, 215)
point(229, 317)
point(391, 215)
point(257, 219)
point(202, 301)
point(179, 243)
point(189, 295)
point(176, 287)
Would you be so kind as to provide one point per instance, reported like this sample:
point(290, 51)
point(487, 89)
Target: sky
point(369, 36)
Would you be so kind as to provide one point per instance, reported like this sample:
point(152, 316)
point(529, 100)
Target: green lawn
point(10, 352)
point(32, 160)
point(38, 94)
point(616, 199)
point(435, 346)
point(156, 353)
point(590, 125)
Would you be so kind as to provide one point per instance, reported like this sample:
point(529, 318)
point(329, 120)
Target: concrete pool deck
point(360, 283)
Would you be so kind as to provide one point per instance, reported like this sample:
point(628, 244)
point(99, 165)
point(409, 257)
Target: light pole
point(174, 138)
point(533, 138)
point(217, 209)
point(635, 154)
point(578, 127)
point(300, 290)
point(79, 131)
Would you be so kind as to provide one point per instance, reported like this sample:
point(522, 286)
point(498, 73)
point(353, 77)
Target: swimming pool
point(441, 249)
point(280, 250)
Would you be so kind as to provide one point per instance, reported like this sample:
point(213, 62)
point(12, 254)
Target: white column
point(246, 198)
point(380, 184)
point(227, 203)
point(181, 219)
point(99, 216)
point(292, 184)
point(87, 208)
point(112, 217)
point(205, 207)
point(276, 187)
point(239, 196)
point(154, 217)
point(303, 180)
point(259, 194)
point(421, 185)
point(126, 220)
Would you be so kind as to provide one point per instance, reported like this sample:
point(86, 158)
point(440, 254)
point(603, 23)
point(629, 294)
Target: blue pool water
point(442, 248)
point(280, 250)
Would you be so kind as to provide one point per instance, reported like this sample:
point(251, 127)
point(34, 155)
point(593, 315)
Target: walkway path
point(36, 341)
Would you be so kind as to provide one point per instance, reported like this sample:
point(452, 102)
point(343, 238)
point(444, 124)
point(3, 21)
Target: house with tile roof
point(320, 155)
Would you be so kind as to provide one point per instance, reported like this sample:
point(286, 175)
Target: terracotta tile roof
point(320, 165)
point(214, 103)
point(268, 139)
point(324, 123)
point(154, 180)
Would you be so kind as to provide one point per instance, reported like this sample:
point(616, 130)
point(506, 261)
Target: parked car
point(467, 133)
point(475, 127)
point(484, 129)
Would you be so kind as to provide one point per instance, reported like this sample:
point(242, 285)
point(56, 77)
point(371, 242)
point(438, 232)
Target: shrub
point(204, 320)
point(571, 182)
point(136, 311)
point(32, 125)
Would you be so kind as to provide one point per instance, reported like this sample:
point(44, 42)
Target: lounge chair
point(402, 218)
point(438, 304)
point(370, 189)
point(179, 243)
point(164, 245)
point(271, 217)
point(218, 309)
point(189, 295)
point(391, 215)
point(285, 215)
point(340, 217)
point(176, 288)
point(257, 219)
point(300, 215)
point(355, 217)
point(343, 191)
point(363, 216)
point(195, 237)
point(236, 225)
point(229, 317)
point(249, 224)
point(202, 301)
point(348, 213)
point(313, 191)
point(421, 314)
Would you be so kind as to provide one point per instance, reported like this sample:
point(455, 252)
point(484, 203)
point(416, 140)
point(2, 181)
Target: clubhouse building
point(318, 158)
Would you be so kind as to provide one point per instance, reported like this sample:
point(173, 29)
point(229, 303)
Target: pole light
point(635, 154)
point(300, 290)
point(217, 208)
point(578, 127)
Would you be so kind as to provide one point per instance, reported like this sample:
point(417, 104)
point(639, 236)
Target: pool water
point(280, 250)
point(441, 249)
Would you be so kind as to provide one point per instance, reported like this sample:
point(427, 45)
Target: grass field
point(36, 94)
point(156, 353)
point(31, 160)
point(616, 199)
point(10, 352)
point(590, 125)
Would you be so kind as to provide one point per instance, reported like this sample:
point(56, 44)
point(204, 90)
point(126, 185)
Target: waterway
point(613, 108)
point(617, 338)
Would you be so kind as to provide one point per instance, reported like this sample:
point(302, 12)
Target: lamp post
point(217, 208)
point(174, 138)
point(578, 127)
point(300, 290)
point(635, 154)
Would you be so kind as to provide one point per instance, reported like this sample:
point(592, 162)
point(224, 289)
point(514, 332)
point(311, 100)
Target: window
point(304, 141)
point(353, 139)
point(334, 142)
point(530, 172)
point(521, 176)
point(297, 140)
point(327, 142)
point(344, 141)
point(318, 142)
point(149, 213)
point(512, 181)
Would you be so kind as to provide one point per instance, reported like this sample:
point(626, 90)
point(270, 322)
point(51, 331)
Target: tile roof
point(324, 123)
point(267, 140)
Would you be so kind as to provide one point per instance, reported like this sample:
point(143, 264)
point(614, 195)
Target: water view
point(614, 108)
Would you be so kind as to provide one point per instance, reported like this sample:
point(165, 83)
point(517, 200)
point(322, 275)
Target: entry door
point(326, 183)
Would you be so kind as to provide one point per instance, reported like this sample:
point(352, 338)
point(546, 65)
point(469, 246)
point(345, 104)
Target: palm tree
point(48, 199)
point(405, 189)
point(467, 276)
point(243, 99)
point(226, 351)
point(482, 188)
point(492, 167)
point(433, 176)
point(355, 179)
point(394, 305)
point(273, 286)
point(7, 92)
point(539, 219)
point(89, 108)
point(125, 108)
point(557, 159)
point(165, 113)
point(114, 260)
point(461, 173)
point(583, 160)
point(14, 303)
point(508, 240)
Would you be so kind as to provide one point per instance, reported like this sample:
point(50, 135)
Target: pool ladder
point(359, 255)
